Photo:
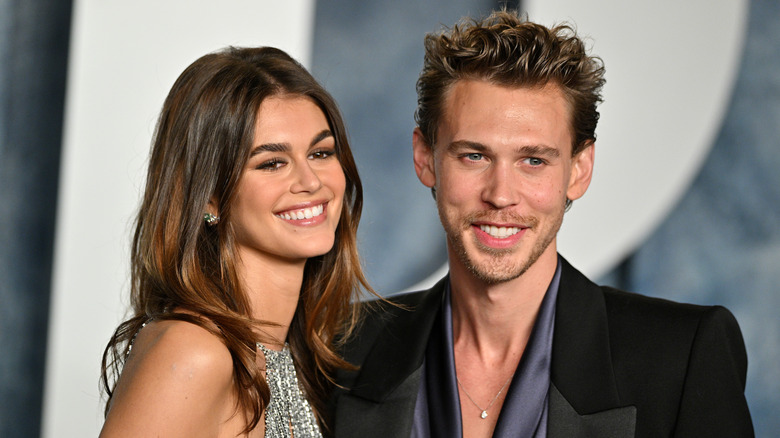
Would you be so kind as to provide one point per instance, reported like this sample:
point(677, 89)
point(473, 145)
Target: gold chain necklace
point(484, 412)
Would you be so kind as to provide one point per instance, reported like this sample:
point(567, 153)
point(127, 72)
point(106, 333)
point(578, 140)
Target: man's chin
point(495, 266)
point(495, 276)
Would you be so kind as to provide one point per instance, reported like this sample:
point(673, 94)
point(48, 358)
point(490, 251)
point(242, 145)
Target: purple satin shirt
point(524, 413)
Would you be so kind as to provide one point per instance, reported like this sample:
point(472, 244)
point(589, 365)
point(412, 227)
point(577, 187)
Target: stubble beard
point(501, 265)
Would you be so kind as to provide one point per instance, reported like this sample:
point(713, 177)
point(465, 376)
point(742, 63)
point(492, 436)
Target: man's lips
point(499, 230)
point(497, 236)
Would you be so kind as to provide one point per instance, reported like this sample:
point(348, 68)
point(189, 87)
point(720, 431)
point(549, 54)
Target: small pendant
point(483, 414)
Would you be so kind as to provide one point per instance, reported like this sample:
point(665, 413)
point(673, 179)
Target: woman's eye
point(322, 154)
point(272, 164)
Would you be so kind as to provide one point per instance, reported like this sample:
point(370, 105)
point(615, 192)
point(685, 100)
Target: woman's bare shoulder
point(177, 381)
point(181, 343)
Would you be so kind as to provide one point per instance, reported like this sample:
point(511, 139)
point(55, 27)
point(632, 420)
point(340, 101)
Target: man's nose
point(501, 188)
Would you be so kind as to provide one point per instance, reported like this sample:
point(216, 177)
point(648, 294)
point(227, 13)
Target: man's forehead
point(475, 105)
point(455, 91)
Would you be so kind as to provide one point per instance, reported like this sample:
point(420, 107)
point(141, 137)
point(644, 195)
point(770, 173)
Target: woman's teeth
point(305, 213)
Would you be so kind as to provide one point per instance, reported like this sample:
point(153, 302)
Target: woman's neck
point(273, 288)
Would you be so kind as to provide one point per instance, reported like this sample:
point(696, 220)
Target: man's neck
point(491, 325)
point(494, 321)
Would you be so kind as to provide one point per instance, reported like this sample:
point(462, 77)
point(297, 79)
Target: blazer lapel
point(384, 392)
point(565, 422)
point(583, 397)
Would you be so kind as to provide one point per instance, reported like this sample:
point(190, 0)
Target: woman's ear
point(211, 207)
point(211, 215)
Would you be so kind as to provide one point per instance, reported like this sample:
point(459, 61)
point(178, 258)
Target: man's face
point(502, 168)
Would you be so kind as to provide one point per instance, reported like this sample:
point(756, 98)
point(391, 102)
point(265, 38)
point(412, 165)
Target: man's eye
point(473, 156)
point(534, 161)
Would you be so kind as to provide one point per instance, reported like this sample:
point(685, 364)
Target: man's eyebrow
point(535, 150)
point(465, 144)
point(539, 150)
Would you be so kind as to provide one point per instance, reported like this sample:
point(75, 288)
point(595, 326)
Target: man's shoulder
point(403, 302)
point(678, 363)
point(396, 317)
point(646, 330)
point(390, 338)
point(634, 308)
point(626, 301)
point(400, 308)
point(643, 325)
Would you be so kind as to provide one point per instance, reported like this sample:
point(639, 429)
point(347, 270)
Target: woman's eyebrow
point(270, 147)
point(325, 133)
point(285, 147)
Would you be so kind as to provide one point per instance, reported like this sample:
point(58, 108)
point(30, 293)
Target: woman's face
point(291, 192)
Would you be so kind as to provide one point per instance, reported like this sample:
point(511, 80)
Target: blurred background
point(684, 205)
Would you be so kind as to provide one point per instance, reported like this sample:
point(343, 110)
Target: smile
point(304, 213)
point(499, 232)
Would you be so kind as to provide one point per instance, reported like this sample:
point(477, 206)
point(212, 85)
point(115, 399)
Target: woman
point(244, 260)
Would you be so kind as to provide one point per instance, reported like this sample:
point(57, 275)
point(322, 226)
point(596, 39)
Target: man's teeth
point(499, 232)
point(305, 213)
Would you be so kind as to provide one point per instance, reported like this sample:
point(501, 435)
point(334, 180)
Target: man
point(515, 341)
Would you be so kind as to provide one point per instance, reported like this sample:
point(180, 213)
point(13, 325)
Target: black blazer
point(623, 365)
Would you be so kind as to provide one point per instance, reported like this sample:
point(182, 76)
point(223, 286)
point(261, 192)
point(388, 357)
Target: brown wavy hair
point(182, 269)
point(506, 49)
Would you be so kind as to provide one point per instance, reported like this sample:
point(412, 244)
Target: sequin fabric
point(288, 414)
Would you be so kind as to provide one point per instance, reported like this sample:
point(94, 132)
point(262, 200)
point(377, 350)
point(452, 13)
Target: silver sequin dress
point(288, 414)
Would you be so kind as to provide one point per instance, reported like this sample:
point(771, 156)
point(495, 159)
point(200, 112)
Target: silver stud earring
point(210, 219)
